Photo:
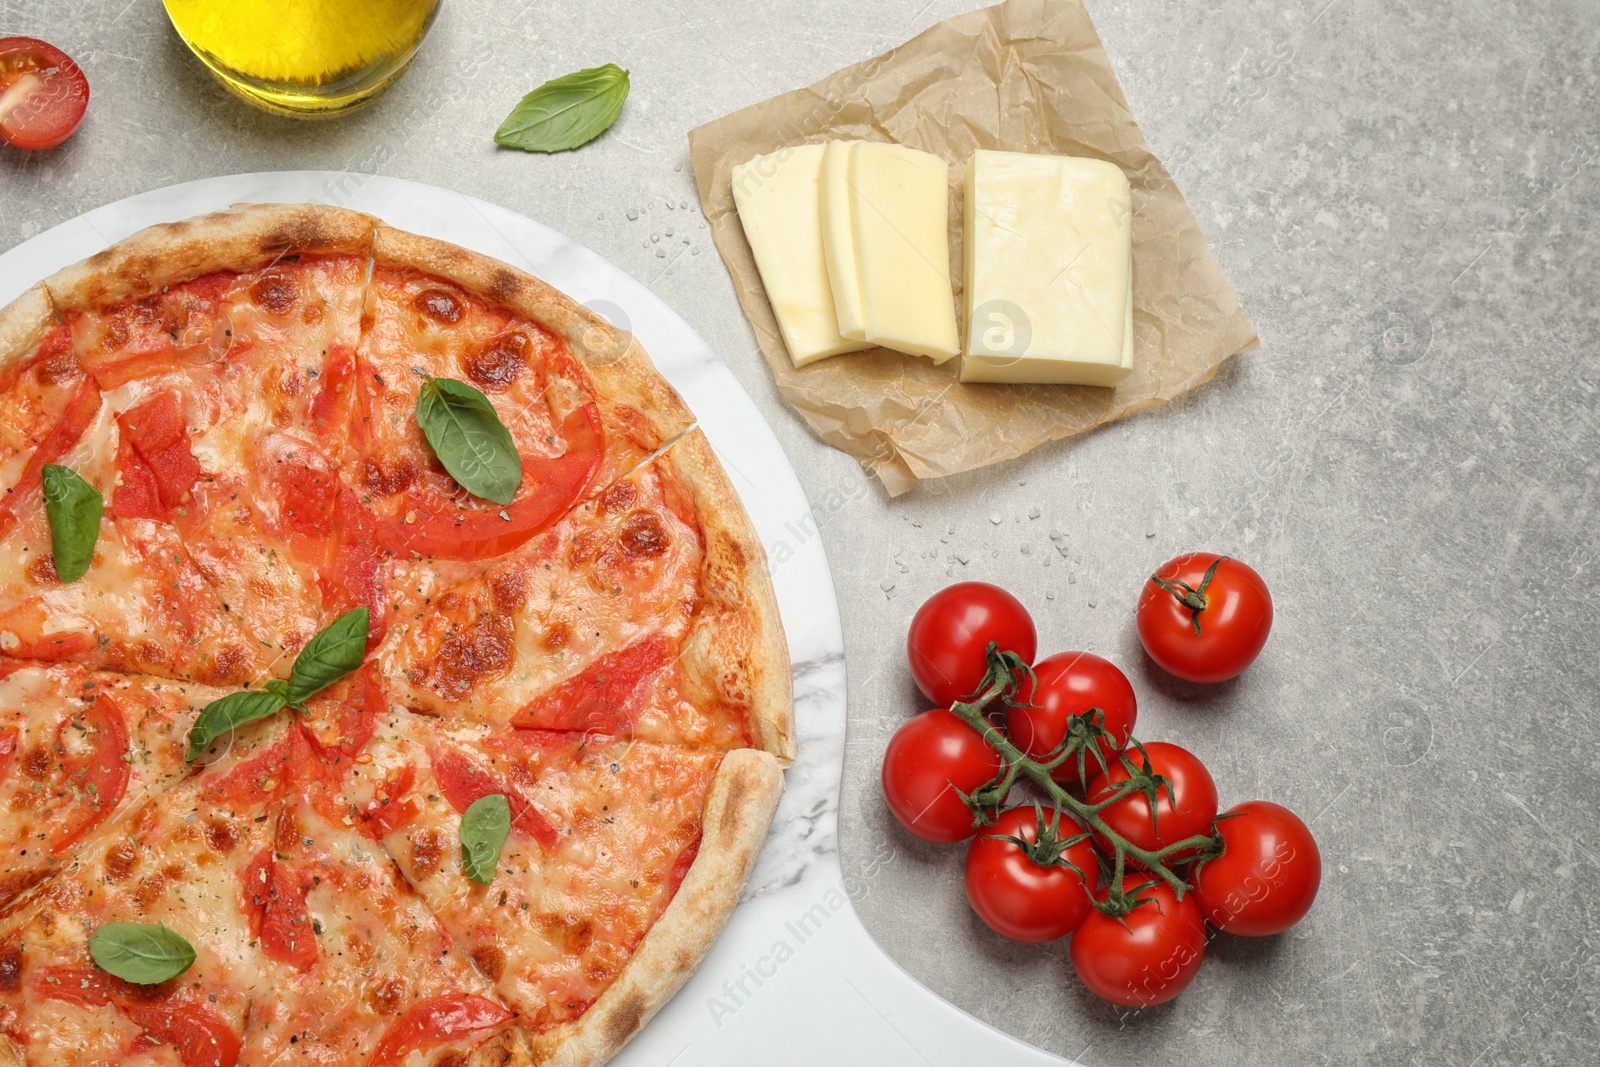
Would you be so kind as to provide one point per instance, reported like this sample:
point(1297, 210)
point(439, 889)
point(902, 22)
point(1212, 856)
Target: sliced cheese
point(889, 203)
point(779, 206)
point(838, 241)
point(1048, 270)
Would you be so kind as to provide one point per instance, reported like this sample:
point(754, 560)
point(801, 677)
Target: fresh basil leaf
point(73, 507)
point(229, 713)
point(566, 112)
point(470, 440)
point(142, 953)
point(333, 653)
point(484, 826)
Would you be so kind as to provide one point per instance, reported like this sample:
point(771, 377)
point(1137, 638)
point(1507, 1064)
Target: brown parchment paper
point(1025, 76)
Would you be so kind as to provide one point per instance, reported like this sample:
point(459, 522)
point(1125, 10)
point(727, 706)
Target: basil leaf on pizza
point(566, 112)
point(336, 651)
point(73, 507)
point(467, 435)
point(229, 713)
point(484, 827)
point(141, 953)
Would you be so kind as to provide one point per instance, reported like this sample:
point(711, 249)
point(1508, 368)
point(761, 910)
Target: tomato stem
point(1001, 683)
point(1191, 597)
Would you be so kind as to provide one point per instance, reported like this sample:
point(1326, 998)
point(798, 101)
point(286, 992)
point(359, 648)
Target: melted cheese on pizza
point(79, 748)
point(602, 832)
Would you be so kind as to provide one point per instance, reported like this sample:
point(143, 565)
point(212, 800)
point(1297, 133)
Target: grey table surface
point(1402, 196)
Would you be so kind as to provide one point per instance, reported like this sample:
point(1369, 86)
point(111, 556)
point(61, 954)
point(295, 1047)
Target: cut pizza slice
point(181, 861)
point(219, 383)
point(143, 606)
point(184, 379)
point(580, 400)
point(646, 612)
point(79, 749)
point(308, 945)
point(620, 858)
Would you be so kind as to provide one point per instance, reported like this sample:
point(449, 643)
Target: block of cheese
point(1048, 268)
point(887, 204)
point(778, 199)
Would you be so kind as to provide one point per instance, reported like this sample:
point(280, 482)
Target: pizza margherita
point(388, 673)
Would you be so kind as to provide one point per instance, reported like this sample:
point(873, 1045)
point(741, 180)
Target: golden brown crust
point(22, 323)
point(737, 644)
point(241, 239)
point(618, 365)
point(738, 812)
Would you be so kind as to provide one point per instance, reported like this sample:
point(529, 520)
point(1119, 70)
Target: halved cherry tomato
point(1147, 956)
point(951, 632)
point(1067, 686)
point(1204, 617)
point(1187, 810)
point(43, 94)
point(930, 758)
point(460, 529)
point(1018, 897)
point(1267, 875)
point(434, 1021)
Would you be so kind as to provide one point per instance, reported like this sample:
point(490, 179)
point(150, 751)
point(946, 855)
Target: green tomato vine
point(1004, 677)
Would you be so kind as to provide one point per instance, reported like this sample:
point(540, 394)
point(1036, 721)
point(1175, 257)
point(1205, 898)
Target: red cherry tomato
point(1068, 684)
point(928, 759)
point(1189, 808)
point(1204, 625)
point(43, 94)
point(1016, 896)
point(951, 633)
point(1267, 875)
point(1147, 956)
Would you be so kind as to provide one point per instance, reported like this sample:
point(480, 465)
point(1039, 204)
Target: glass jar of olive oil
point(304, 57)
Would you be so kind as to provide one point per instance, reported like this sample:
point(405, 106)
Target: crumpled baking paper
point(1025, 76)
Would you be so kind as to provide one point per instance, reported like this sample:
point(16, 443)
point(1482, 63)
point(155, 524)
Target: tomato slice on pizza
point(78, 749)
point(602, 833)
point(632, 616)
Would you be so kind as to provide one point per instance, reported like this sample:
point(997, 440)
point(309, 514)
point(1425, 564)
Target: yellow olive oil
point(305, 57)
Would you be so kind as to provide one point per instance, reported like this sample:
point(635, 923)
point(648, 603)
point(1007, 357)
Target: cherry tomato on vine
point(1188, 809)
point(951, 632)
point(1147, 956)
point(1068, 684)
point(1204, 617)
point(43, 94)
point(1023, 893)
point(1267, 875)
point(929, 758)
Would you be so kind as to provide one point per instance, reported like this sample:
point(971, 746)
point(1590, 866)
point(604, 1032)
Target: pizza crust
point(22, 323)
point(738, 644)
point(621, 370)
point(738, 812)
point(242, 239)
